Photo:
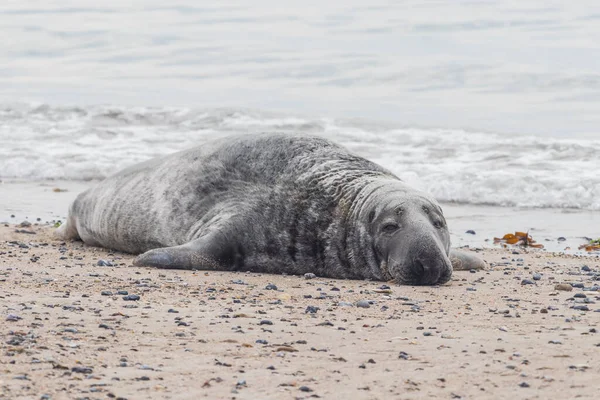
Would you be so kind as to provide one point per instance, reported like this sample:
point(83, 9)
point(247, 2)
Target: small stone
point(470, 232)
point(270, 286)
point(131, 297)
point(503, 329)
point(561, 238)
point(311, 310)
point(363, 304)
point(581, 308)
point(544, 311)
point(345, 304)
point(578, 285)
point(524, 384)
point(122, 292)
point(82, 370)
point(106, 293)
point(12, 317)
point(265, 322)
point(527, 282)
point(586, 268)
point(309, 275)
point(104, 263)
point(537, 277)
point(305, 389)
point(261, 341)
point(426, 333)
point(564, 287)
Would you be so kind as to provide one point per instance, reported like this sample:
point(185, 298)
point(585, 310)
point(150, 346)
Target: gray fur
point(268, 203)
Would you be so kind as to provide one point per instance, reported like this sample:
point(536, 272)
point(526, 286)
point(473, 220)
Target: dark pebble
point(309, 275)
point(82, 370)
point(578, 285)
point(131, 297)
point(262, 341)
point(581, 308)
point(524, 384)
point(122, 292)
point(265, 322)
point(586, 268)
point(305, 389)
point(311, 310)
point(106, 293)
point(537, 277)
point(527, 282)
point(270, 286)
point(104, 263)
point(561, 239)
point(470, 232)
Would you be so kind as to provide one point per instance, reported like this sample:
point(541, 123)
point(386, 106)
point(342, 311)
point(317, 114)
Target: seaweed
point(518, 239)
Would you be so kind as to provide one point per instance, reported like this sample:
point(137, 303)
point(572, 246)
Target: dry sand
point(196, 334)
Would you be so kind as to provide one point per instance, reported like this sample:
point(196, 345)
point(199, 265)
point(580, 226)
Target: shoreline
point(38, 200)
point(68, 330)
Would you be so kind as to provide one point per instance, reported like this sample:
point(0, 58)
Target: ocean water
point(477, 102)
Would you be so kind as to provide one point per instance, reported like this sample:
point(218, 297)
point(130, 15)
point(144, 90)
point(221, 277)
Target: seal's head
point(411, 240)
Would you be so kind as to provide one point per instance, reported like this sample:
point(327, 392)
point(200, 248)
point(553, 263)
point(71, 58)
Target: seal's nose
point(431, 270)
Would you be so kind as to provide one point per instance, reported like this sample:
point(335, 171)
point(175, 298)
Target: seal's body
point(268, 203)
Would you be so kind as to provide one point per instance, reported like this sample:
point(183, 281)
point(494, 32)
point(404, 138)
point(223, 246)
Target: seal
point(274, 203)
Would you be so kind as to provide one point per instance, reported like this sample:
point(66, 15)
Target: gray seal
point(273, 203)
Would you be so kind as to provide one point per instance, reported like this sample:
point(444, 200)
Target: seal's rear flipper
point(462, 261)
point(205, 253)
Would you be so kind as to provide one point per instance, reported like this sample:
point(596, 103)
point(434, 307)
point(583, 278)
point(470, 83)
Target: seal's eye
point(390, 227)
point(438, 223)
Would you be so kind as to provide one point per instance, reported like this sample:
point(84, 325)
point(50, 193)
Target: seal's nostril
point(418, 269)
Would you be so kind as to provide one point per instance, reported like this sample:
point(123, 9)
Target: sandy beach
point(81, 323)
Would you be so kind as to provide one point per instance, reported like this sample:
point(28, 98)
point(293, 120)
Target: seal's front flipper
point(462, 261)
point(205, 253)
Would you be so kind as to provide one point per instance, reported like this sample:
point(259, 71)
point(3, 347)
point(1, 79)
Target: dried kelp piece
point(518, 239)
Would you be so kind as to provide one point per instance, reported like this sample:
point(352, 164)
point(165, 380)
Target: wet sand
point(67, 331)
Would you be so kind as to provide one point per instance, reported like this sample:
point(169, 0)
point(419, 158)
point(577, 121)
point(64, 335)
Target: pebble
point(586, 268)
point(309, 275)
point(265, 322)
point(527, 282)
point(578, 285)
point(122, 292)
point(581, 308)
point(270, 286)
point(131, 297)
point(345, 304)
point(104, 263)
point(12, 317)
point(82, 370)
point(305, 389)
point(564, 287)
point(363, 304)
point(537, 277)
point(106, 293)
point(524, 384)
point(470, 232)
point(311, 310)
